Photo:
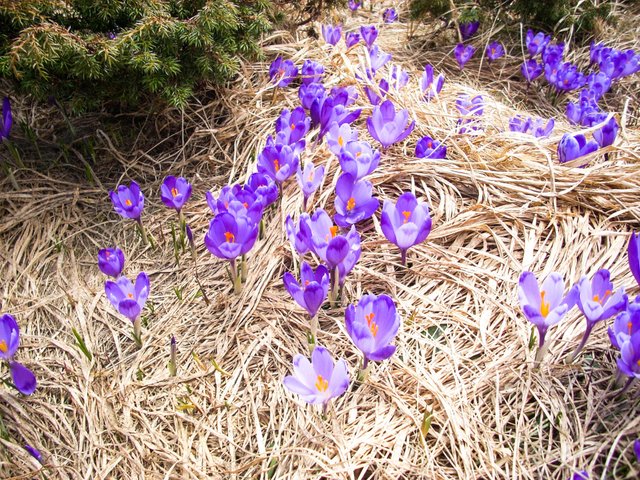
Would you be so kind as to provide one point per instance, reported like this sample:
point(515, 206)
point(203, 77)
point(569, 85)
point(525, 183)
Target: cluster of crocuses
point(471, 110)
point(23, 379)
point(537, 127)
point(463, 53)
point(334, 242)
point(598, 300)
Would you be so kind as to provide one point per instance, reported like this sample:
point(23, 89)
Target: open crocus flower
point(536, 42)
point(553, 53)
point(633, 253)
point(278, 162)
point(311, 72)
point(351, 39)
point(430, 87)
point(282, 72)
point(230, 237)
point(319, 380)
point(128, 201)
point(326, 241)
point(239, 201)
point(331, 34)
point(338, 136)
point(468, 29)
point(531, 70)
point(372, 325)
point(377, 60)
point(546, 306)
point(298, 236)
point(329, 110)
point(468, 106)
point(126, 297)
point(175, 192)
point(312, 290)
point(567, 77)
point(309, 180)
point(292, 126)
point(387, 126)
point(427, 147)
point(369, 34)
point(575, 146)
point(405, 224)
point(6, 121)
point(494, 51)
point(358, 159)
point(463, 54)
point(389, 15)
point(598, 83)
point(606, 134)
point(111, 261)
point(625, 325)
point(310, 93)
point(23, 379)
point(354, 202)
point(264, 187)
point(598, 301)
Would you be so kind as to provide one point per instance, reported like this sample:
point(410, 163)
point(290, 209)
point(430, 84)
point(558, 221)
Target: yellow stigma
point(406, 216)
point(596, 298)
point(127, 202)
point(334, 231)
point(311, 175)
point(321, 384)
point(351, 204)
point(293, 126)
point(544, 307)
point(230, 237)
point(174, 192)
point(340, 140)
point(276, 165)
point(3, 346)
point(130, 295)
point(373, 326)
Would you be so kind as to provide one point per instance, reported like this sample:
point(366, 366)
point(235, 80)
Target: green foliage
point(87, 52)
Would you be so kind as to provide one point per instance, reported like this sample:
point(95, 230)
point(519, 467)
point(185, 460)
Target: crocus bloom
point(536, 43)
point(354, 5)
point(598, 301)
point(298, 236)
point(495, 50)
point(127, 298)
point(309, 180)
point(399, 77)
point(376, 96)
point(387, 126)
point(596, 51)
point(405, 224)
point(326, 242)
point(329, 111)
point(312, 290)
point(463, 54)
point(111, 261)
point(175, 192)
point(34, 452)
point(351, 39)
point(372, 325)
point(358, 159)
point(519, 124)
point(468, 106)
point(468, 29)
point(553, 53)
point(230, 237)
point(629, 360)
point(427, 147)
point(389, 15)
point(531, 70)
point(311, 72)
point(583, 112)
point(292, 126)
point(538, 128)
point(598, 84)
point(264, 187)
point(23, 378)
point(7, 119)
point(625, 325)
point(431, 88)
point(377, 60)
point(344, 95)
point(575, 146)
point(369, 34)
point(128, 201)
point(568, 77)
point(546, 306)
point(354, 201)
point(606, 134)
point(278, 162)
point(339, 136)
point(352, 257)
point(282, 72)
point(310, 93)
point(633, 253)
point(320, 380)
point(331, 34)
point(239, 201)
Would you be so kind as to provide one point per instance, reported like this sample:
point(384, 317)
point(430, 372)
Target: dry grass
point(501, 204)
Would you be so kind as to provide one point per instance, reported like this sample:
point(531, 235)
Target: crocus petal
point(23, 378)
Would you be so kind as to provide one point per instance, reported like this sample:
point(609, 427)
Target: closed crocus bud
point(354, 5)
point(468, 29)
point(369, 34)
point(354, 201)
point(331, 34)
point(427, 147)
point(298, 236)
point(572, 147)
point(539, 129)
point(264, 187)
point(310, 93)
point(431, 87)
point(606, 134)
point(389, 15)
point(311, 72)
point(312, 290)
point(128, 298)
point(23, 379)
point(111, 261)
point(531, 70)
point(351, 39)
point(175, 192)
point(388, 126)
point(633, 253)
point(128, 201)
point(7, 119)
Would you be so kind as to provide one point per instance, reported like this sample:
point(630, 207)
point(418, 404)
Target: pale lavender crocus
point(129, 299)
point(310, 293)
point(298, 235)
point(427, 147)
point(338, 136)
point(388, 126)
point(359, 159)
point(351, 39)
point(309, 180)
point(331, 34)
point(431, 87)
point(354, 201)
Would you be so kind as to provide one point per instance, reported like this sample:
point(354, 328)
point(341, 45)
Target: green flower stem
point(137, 331)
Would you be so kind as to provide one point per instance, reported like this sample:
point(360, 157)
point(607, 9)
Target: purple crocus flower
point(128, 201)
point(351, 39)
point(358, 159)
point(338, 136)
point(494, 51)
point(111, 261)
point(299, 235)
point(372, 325)
point(531, 70)
point(427, 147)
point(405, 224)
point(311, 93)
point(264, 187)
point(239, 201)
point(598, 301)
point(354, 201)
point(567, 77)
point(431, 88)
point(23, 378)
point(463, 54)
point(389, 15)
point(309, 180)
point(539, 129)
point(230, 237)
point(596, 51)
point(354, 5)
point(127, 298)
point(468, 29)
point(311, 72)
point(633, 253)
point(312, 290)
point(7, 119)
point(292, 126)
point(376, 95)
point(329, 111)
point(282, 72)
point(536, 43)
point(34, 452)
point(326, 242)
point(377, 60)
point(175, 192)
point(546, 306)
point(606, 134)
point(344, 95)
point(584, 111)
point(553, 53)
point(387, 126)
point(319, 380)
point(629, 360)
point(331, 34)
point(625, 325)
point(468, 106)
point(575, 146)
point(369, 34)
point(636, 449)
point(399, 77)
point(519, 124)
point(278, 162)
point(598, 84)
point(581, 475)
point(352, 257)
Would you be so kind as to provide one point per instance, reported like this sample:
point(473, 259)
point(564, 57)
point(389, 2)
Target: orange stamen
point(351, 204)
point(406, 215)
point(293, 127)
point(230, 237)
point(174, 192)
point(596, 298)
point(321, 384)
point(3, 346)
point(373, 326)
point(544, 307)
point(130, 295)
point(127, 202)
point(629, 325)
point(334, 231)
point(276, 165)
point(246, 205)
